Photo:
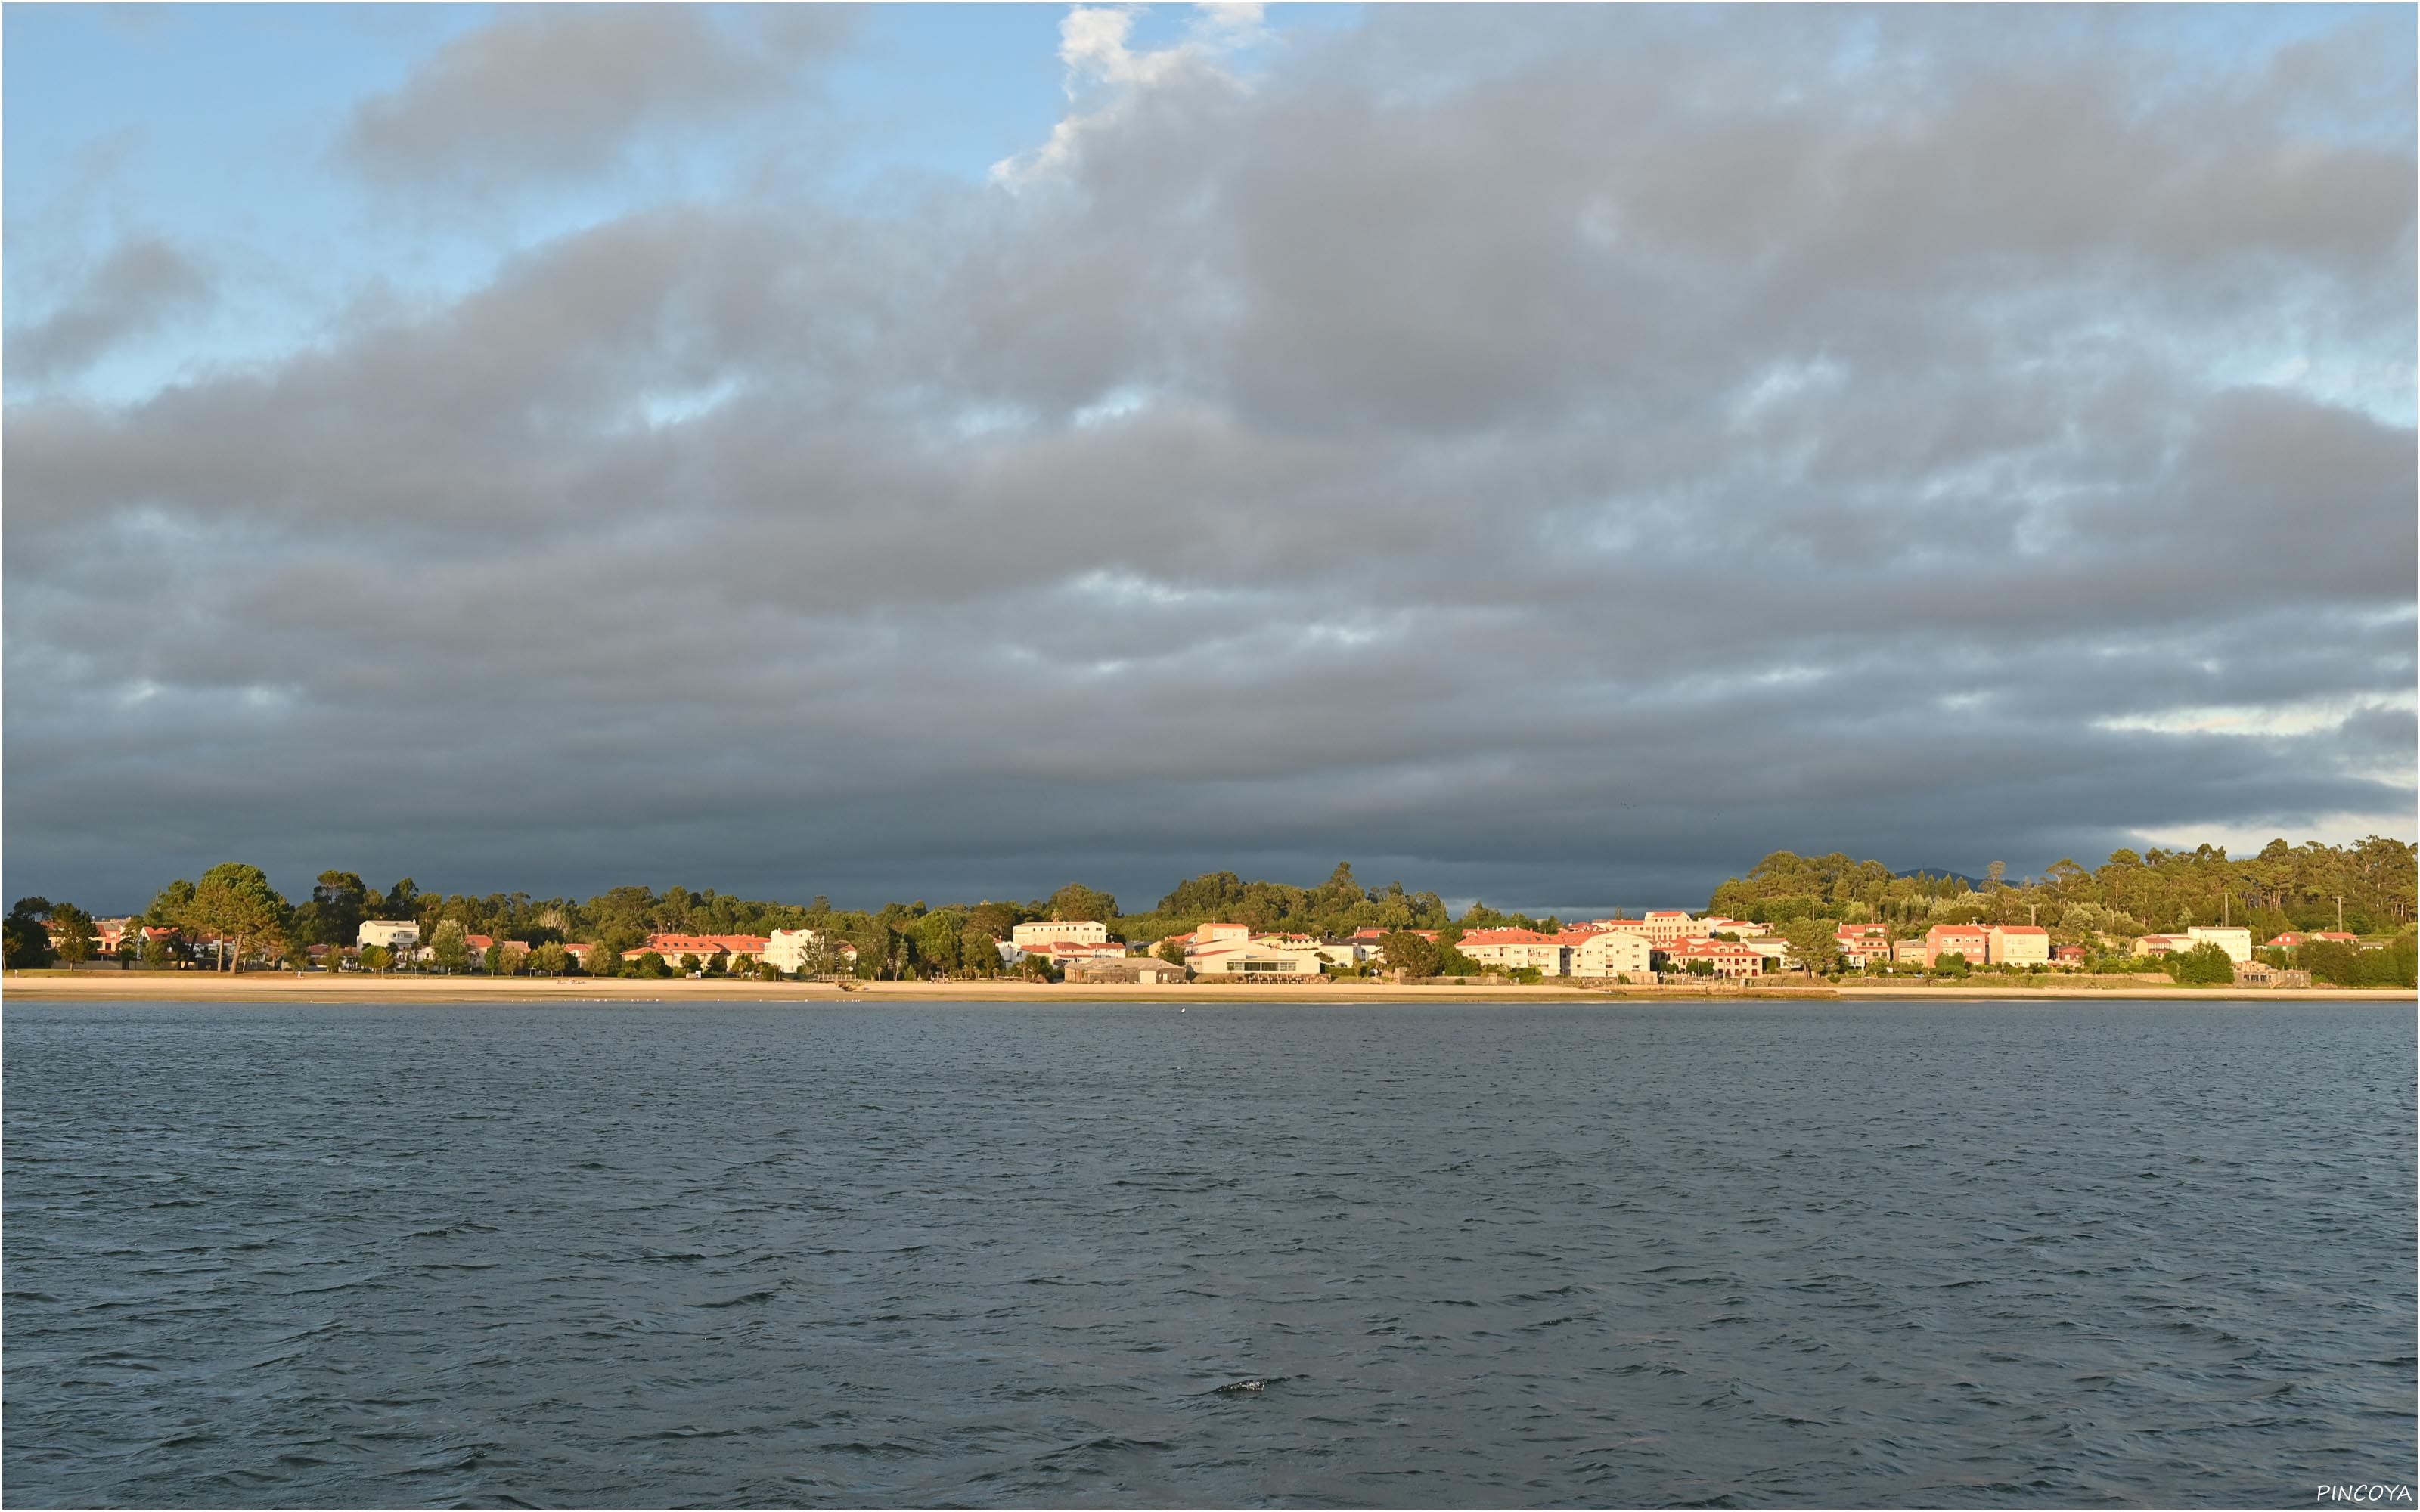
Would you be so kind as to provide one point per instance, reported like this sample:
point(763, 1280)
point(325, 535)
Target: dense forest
point(2282, 887)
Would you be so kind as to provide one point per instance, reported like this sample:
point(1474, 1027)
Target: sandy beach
point(269, 986)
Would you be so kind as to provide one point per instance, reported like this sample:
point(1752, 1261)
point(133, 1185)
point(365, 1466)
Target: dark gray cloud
point(143, 283)
point(1557, 461)
point(552, 91)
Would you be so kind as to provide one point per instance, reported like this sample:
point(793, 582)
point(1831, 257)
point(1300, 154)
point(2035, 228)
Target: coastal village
point(1659, 945)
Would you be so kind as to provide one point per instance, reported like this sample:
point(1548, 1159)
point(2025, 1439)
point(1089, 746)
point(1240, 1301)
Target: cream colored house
point(1059, 931)
point(1513, 949)
point(394, 933)
point(2019, 945)
point(1612, 952)
point(791, 948)
point(1266, 956)
point(1667, 926)
point(2237, 943)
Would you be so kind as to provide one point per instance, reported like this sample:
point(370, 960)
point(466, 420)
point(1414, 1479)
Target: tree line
point(2282, 887)
point(235, 901)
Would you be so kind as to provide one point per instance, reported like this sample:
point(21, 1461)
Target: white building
point(1059, 931)
point(1774, 947)
point(1268, 956)
point(1352, 952)
point(394, 933)
point(1612, 953)
point(791, 948)
point(1661, 925)
point(2237, 943)
point(1514, 949)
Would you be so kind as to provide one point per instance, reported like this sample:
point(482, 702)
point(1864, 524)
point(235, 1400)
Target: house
point(705, 947)
point(1609, 953)
point(1140, 970)
point(2293, 938)
point(2019, 945)
point(1353, 950)
point(2067, 955)
point(579, 951)
point(2259, 974)
point(1514, 949)
point(392, 933)
point(1912, 952)
point(790, 949)
point(480, 945)
point(1205, 936)
point(2159, 945)
point(1728, 960)
point(1973, 941)
point(2237, 943)
point(1774, 949)
point(1263, 958)
point(1664, 926)
point(1661, 925)
point(1050, 931)
point(1863, 944)
point(1060, 952)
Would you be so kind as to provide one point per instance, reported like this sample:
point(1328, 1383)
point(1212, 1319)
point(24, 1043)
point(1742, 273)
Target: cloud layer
point(143, 284)
point(1554, 456)
point(556, 91)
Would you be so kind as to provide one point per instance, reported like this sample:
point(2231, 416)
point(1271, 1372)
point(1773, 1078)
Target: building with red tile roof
point(705, 947)
point(1728, 960)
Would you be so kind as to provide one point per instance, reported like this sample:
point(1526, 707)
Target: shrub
point(2204, 966)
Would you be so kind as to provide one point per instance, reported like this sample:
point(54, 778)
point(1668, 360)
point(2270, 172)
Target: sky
point(1554, 456)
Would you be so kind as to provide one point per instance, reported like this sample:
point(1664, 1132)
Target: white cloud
point(2300, 716)
point(1103, 66)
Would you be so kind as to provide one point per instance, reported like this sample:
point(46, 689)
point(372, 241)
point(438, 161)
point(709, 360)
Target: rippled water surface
point(1482, 1256)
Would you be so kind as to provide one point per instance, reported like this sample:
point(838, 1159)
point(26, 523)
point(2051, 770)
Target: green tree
point(156, 956)
point(978, 950)
point(167, 910)
point(24, 942)
point(550, 960)
point(339, 902)
point(1951, 964)
point(506, 957)
point(377, 957)
point(1413, 955)
point(71, 934)
point(236, 903)
point(1076, 901)
point(1814, 942)
point(402, 900)
point(450, 945)
point(652, 965)
point(2203, 966)
point(1171, 951)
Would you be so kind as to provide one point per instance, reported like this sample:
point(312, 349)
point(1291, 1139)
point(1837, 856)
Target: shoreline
point(193, 986)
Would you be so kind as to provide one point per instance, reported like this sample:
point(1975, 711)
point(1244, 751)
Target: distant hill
point(1944, 873)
